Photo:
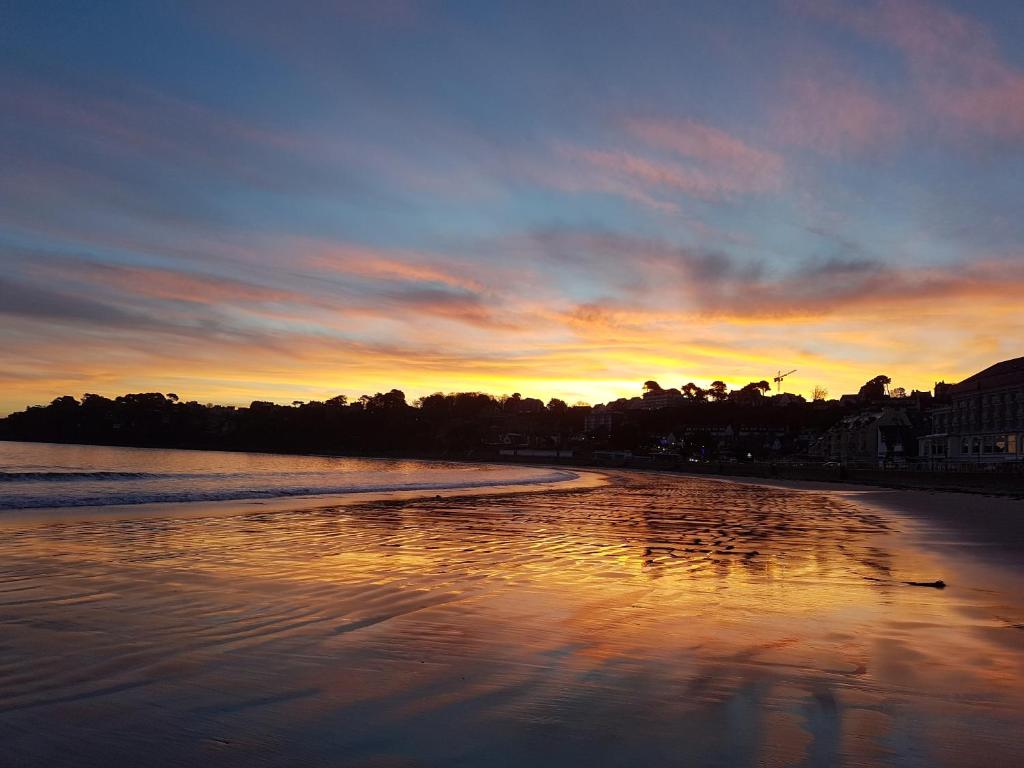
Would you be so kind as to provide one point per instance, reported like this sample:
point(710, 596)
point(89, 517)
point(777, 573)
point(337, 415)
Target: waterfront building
point(980, 421)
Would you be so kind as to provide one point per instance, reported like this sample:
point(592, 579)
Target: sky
point(254, 200)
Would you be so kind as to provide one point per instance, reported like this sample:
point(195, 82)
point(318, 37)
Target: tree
point(172, 397)
point(652, 386)
point(875, 389)
point(692, 392)
point(384, 401)
point(718, 391)
point(558, 406)
point(819, 393)
point(755, 390)
point(898, 392)
point(512, 403)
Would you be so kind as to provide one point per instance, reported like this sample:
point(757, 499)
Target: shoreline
point(964, 522)
point(990, 517)
point(994, 484)
point(581, 480)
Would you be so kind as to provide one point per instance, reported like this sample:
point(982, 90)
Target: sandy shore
point(989, 525)
point(649, 619)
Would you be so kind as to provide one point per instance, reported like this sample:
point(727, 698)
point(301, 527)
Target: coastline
point(992, 518)
point(992, 484)
point(580, 480)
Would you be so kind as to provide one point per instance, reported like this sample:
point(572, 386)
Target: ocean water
point(652, 620)
point(44, 475)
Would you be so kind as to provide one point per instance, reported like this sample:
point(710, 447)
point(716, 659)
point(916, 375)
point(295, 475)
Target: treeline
point(462, 424)
point(382, 423)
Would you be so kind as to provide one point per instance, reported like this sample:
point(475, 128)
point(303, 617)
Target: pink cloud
point(625, 165)
point(678, 157)
point(389, 264)
point(954, 61)
point(834, 115)
point(716, 149)
point(174, 285)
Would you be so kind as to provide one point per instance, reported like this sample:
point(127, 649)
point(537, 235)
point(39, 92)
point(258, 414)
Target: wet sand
point(992, 525)
point(651, 620)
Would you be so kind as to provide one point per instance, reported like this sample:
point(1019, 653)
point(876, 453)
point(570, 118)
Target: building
point(602, 419)
point(980, 422)
point(785, 399)
point(656, 399)
point(876, 437)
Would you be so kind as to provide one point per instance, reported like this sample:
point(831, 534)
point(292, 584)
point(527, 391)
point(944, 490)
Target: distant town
point(975, 424)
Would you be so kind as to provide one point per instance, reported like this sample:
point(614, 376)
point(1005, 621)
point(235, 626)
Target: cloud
point(954, 60)
point(460, 306)
point(179, 286)
point(388, 264)
point(744, 167)
point(657, 161)
point(23, 299)
point(649, 277)
point(144, 124)
point(835, 115)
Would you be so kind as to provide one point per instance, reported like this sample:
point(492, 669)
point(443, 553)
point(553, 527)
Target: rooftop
point(1005, 374)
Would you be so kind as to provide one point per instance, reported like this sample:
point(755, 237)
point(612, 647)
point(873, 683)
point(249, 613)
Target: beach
point(644, 620)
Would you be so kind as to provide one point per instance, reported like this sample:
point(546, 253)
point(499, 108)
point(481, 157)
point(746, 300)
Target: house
point(661, 398)
point(980, 421)
point(873, 437)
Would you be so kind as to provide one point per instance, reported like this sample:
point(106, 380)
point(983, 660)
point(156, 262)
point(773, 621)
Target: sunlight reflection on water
point(654, 620)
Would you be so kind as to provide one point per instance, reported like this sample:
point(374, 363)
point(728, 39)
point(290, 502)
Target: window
point(1011, 444)
point(1000, 444)
point(988, 444)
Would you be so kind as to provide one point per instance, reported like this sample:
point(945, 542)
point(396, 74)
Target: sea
point(47, 475)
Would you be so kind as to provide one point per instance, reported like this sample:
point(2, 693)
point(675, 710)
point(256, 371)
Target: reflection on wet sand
point(654, 620)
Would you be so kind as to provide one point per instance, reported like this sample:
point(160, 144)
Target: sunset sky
point(254, 200)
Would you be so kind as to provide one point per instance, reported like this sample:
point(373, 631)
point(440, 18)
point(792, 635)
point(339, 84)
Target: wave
point(69, 476)
point(181, 495)
point(13, 477)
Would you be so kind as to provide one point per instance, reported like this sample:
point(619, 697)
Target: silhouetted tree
point(692, 392)
point(456, 424)
point(875, 389)
point(718, 391)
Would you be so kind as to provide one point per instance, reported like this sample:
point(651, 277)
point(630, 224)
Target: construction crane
point(778, 379)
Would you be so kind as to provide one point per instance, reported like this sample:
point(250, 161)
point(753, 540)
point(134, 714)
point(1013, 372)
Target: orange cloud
point(670, 313)
point(386, 264)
